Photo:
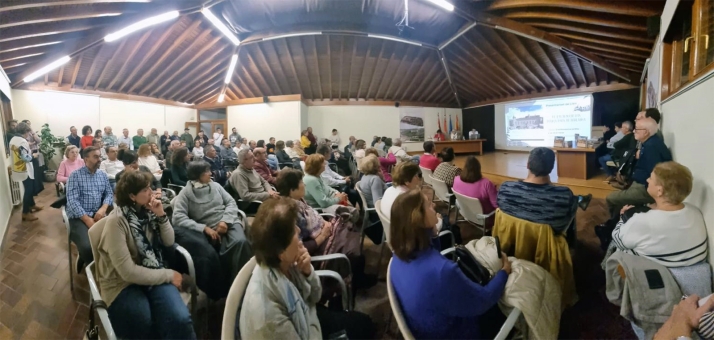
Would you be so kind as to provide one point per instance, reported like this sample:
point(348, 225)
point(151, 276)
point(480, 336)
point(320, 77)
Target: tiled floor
point(36, 302)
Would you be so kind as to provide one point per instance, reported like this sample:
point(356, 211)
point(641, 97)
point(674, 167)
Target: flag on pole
point(457, 124)
point(451, 125)
point(445, 122)
point(438, 120)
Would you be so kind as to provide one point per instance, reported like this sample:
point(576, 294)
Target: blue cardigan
point(438, 301)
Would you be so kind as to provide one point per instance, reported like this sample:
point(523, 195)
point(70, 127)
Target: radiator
point(15, 192)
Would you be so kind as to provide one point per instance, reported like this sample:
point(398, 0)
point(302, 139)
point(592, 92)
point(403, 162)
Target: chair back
point(361, 196)
point(302, 165)
point(383, 218)
point(440, 189)
point(234, 301)
point(470, 208)
point(65, 218)
point(426, 174)
point(396, 308)
point(96, 296)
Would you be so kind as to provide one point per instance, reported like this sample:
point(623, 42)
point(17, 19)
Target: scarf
point(138, 221)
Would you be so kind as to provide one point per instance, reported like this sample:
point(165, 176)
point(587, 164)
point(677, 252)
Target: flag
point(457, 124)
point(445, 122)
point(451, 125)
point(438, 120)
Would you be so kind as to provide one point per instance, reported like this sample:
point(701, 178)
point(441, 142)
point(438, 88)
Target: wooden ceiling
point(186, 60)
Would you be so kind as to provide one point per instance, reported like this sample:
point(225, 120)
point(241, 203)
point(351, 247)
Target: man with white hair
point(652, 152)
point(139, 139)
point(625, 143)
point(175, 144)
point(109, 138)
point(248, 184)
point(401, 154)
point(124, 138)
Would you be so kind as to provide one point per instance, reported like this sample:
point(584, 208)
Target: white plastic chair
point(442, 192)
point(472, 211)
point(69, 250)
point(366, 222)
point(426, 175)
point(234, 300)
point(96, 304)
point(384, 219)
point(511, 320)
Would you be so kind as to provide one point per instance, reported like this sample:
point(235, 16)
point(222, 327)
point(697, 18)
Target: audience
point(71, 163)
point(164, 141)
point(282, 155)
point(109, 138)
point(89, 197)
point(156, 152)
point(447, 171)
point(23, 170)
point(72, 139)
point(179, 164)
point(139, 139)
point(187, 138)
point(112, 165)
point(379, 145)
point(284, 278)
point(99, 144)
point(401, 154)
point(147, 159)
point(688, 316)
point(471, 183)
point(173, 145)
point(385, 163)
point(429, 160)
point(371, 184)
point(461, 308)
point(234, 137)
point(201, 138)
point(153, 137)
point(87, 137)
point(239, 146)
point(330, 177)
point(334, 138)
point(204, 207)
point(97, 135)
point(652, 151)
point(672, 233)
point(218, 136)
point(319, 194)
point(405, 177)
point(313, 141)
point(270, 147)
point(622, 142)
point(359, 153)
point(227, 153)
point(535, 198)
point(130, 160)
point(218, 172)
point(252, 145)
point(126, 139)
point(248, 184)
point(141, 294)
point(197, 149)
point(261, 166)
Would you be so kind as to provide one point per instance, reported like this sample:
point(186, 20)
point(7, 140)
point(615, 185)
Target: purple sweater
point(438, 301)
point(483, 190)
point(67, 167)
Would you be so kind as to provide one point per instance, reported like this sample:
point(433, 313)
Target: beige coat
point(116, 257)
point(529, 288)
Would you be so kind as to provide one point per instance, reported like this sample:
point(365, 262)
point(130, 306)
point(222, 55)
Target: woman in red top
point(87, 137)
point(439, 136)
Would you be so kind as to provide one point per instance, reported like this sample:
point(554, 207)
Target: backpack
point(468, 264)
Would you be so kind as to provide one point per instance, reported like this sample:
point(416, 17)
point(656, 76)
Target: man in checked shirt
point(89, 196)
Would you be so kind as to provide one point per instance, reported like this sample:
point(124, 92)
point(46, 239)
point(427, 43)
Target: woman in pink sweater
point(472, 184)
point(71, 163)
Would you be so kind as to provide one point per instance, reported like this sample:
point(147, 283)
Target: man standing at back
point(124, 138)
point(536, 199)
point(139, 139)
point(109, 138)
point(89, 196)
point(186, 137)
point(73, 138)
point(154, 137)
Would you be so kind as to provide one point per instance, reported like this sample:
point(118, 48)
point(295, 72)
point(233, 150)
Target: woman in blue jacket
point(437, 299)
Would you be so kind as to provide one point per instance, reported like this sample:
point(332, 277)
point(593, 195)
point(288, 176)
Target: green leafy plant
point(49, 142)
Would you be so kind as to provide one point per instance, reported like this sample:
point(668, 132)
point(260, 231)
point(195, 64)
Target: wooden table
point(575, 162)
point(462, 146)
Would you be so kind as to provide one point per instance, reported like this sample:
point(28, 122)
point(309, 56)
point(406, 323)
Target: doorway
point(210, 120)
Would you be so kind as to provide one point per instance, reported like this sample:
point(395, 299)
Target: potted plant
point(49, 146)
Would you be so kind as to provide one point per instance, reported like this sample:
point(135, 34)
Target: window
point(688, 50)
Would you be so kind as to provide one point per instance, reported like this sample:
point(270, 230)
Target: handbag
point(468, 264)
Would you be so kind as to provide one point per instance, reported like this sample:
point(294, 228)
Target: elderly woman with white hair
point(652, 152)
point(401, 154)
point(71, 163)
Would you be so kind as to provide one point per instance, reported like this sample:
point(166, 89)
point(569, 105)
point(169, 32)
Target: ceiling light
point(140, 25)
point(231, 68)
point(221, 97)
point(55, 64)
point(443, 4)
point(291, 35)
point(220, 26)
point(393, 39)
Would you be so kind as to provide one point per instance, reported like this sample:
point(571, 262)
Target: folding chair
point(366, 224)
point(69, 250)
point(472, 211)
point(442, 192)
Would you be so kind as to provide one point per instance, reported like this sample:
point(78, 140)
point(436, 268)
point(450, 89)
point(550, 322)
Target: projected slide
point(536, 122)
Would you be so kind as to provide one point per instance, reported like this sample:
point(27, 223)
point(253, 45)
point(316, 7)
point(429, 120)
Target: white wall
point(62, 110)
point(5, 198)
point(264, 120)
point(365, 122)
point(687, 129)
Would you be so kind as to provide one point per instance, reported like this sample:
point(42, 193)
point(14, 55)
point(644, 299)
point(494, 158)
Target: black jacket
point(625, 144)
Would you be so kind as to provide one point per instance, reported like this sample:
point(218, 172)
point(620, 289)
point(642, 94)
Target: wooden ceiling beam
point(235, 89)
point(553, 63)
point(47, 78)
point(432, 93)
point(384, 74)
point(194, 42)
point(585, 72)
point(191, 88)
point(564, 55)
point(270, 69)
point(197, 72)
point(259, 92)
point(428, 84)
point(155, 46)
point(108, 64)
point(417, 93)
point(523, 57)
point(48, 40)
point(407, 52)
point(610, 33)
point(447, 72)
point(471, 71)
point(213, 86)
point(317, 66)
point(469, 92)
point(292, 64)
point(159, 62)
point(51, 30)
point(139, 43)
point(364, 67)
point(575, 38)
point(623, 58)
point(59, 77)
point(615, 7)
point(592, 20)
point(282, 75)
point(329, 66)
point(612, 50)
point(408, 79)
point(352, 62)
point(91, 67)
point(66, 13)
point(307, 68)
point(271, 90)
point(13, 5)
point(76, 70)
point(247, 89)
point(185, 65)
point(579, 90)
point(374, 71)
point(342, 53)
point(489, 63)
point(25, 53)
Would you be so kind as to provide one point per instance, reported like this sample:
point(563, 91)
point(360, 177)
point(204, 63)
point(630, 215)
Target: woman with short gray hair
point(208, 225)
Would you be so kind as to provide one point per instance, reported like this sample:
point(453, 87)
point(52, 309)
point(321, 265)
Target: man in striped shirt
point(536, 199)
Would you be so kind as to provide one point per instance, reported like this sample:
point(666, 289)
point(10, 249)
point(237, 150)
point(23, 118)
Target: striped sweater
point(670, 238)
point(540, 203)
